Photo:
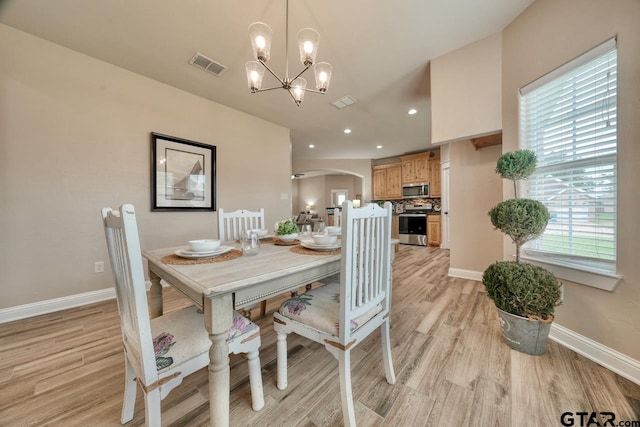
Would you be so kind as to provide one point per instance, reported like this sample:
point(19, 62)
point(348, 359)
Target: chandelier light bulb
point(308, 47)
point(298, 87)
point(322, 71)
point(255, 74)
point(260, 35)
point(308, 40)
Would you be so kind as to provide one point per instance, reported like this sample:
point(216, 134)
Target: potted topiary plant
point(525, 294)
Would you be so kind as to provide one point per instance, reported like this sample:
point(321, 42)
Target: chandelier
point(308, 39)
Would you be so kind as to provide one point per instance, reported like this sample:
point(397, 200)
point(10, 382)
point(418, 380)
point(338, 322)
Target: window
point(568, 118)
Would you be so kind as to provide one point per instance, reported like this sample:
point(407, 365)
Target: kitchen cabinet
point(379, 182)
point(415, 168)
point(435, 189)
point(434, 230)
point(387, 181)
point(395, 227)
point(395, 231)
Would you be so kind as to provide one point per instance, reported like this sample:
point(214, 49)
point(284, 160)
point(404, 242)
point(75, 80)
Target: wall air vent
point(345, 101)
point(207, 64)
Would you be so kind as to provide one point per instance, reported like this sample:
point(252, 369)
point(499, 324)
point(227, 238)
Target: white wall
point(474, 189)
point(538, 41)
point(466, 91)
point(311, 191)
point(75, 137)
point(360, 167)
point(317, 191)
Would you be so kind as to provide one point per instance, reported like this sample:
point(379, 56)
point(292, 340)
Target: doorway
point(446, 232)
point(338, 196)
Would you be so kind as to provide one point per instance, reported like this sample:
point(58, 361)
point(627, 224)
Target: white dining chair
point(230, 226)
point(160, 352)
point(340, 315)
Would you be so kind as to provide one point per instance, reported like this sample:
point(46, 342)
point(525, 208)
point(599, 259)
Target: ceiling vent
point(207, 64)
point(345, 101)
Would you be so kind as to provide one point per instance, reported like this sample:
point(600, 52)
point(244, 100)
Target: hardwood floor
point(452, 369)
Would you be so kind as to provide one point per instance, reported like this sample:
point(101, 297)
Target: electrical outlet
point(98, 267)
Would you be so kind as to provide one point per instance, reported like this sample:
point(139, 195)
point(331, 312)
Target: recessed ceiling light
point(412, 111)
point(347, 131)
point(378, 146)
point(311, 146)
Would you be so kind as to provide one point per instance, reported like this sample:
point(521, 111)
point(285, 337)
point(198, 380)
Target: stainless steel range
point(413, 224)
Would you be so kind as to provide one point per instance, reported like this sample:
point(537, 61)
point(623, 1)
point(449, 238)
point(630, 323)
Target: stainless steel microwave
point(414, 191)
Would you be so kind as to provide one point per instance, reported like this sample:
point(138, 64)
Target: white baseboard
point(49, 306)
point(465, 274)
point(611, 359)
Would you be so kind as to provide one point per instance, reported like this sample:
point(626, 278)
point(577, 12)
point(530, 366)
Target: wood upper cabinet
point(379, 181)
point(387, 181)
point(434, 230)
point(394, 182)
point(415, 168)
point(435, 188)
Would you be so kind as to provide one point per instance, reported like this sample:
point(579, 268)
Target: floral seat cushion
point(320, 309)
point(176, 336)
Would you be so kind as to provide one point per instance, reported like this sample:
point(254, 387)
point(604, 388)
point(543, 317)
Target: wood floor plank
point(411, 408)
point(452, 368)
point(434, 357)
point(453, 407)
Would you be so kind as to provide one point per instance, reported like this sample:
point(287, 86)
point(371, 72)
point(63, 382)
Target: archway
point(311, 189)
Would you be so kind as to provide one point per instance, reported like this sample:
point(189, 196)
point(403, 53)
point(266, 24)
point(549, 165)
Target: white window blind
point(568, 118)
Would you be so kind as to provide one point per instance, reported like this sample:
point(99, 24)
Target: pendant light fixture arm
point(321, 92)
point(282, 81)
point(294, 98)
point(300, 73)
point(286, 48)
point(269, 88)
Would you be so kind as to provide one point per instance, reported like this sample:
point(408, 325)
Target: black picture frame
point(183, 174)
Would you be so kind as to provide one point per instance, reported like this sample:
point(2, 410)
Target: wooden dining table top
point(208, 279)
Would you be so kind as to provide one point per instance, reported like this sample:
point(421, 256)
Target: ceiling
point(380, 52)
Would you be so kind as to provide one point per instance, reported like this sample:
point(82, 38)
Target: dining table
point(219, 287)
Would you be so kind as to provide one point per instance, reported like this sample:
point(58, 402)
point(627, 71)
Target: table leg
point(218, 314)
point(155, 295)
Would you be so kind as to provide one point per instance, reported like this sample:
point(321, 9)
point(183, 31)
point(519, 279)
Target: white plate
point(314, 246)
point(267, 236)
point(188, 253)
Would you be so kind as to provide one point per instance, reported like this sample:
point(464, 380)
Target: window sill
point(596, 278)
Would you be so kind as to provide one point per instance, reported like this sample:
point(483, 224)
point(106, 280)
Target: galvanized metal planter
point(522, 334)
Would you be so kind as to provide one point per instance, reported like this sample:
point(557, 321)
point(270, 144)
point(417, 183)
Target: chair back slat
point(123, 244)
point(366, 261)
point(230, 224)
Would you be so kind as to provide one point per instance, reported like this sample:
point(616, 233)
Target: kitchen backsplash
point(434, 201)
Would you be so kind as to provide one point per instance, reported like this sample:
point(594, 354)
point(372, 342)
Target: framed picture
point(183, 174)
